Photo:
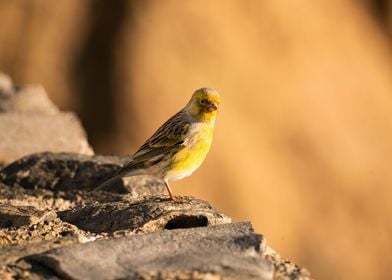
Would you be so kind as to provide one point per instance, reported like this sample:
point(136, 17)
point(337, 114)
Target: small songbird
point(179, 146)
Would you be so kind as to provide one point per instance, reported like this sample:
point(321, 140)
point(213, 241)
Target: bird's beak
point(212, 106)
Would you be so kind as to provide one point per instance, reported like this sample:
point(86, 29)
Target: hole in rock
point(187, 222)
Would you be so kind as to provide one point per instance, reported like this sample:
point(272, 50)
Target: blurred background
point(303, 143)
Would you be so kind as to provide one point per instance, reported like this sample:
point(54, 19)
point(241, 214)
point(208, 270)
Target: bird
point(179, 146)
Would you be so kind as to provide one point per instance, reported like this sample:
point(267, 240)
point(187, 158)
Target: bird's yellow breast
point(187, 160)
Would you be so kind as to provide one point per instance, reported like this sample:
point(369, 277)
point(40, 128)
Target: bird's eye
point(203, 101)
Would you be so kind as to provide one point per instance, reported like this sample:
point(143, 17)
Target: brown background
point(303, 144)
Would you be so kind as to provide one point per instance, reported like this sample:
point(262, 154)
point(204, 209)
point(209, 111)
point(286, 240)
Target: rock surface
point(150, 214)
point(66, 171)
point(26, 99)
point(31, 123)
point(231, 251)
point(60, 172)
point(45, 204)
point(17, 216)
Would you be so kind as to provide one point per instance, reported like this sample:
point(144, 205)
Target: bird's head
point(204, 103)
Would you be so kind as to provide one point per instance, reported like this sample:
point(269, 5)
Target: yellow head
point(204, 104)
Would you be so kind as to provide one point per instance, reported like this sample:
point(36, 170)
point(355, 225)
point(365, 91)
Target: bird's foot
point(175, 199)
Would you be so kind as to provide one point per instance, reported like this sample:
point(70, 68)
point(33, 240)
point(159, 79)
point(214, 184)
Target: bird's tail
point(107, 182)
point(124, 172)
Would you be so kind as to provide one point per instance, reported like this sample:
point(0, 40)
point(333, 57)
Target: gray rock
point(32, 123)
point(40, 199)
point(17, 216)
point(230, 251)
point(32, 133)
point(31, 99)
point(25, 231)
point(150, 214)
point(28, 99)
point(67, 172)
point(59, 171)
point(10, 253)
point(284, 269)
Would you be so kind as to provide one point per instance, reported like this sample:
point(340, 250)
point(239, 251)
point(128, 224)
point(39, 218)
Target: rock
point(35, 235)
point(27, 99)
point(66, 172)
point(230, 251)
point(59, 171)
point(29, 133)
point(31, 123)
point(284, 269)
point(10, 253)
point(13, 216)
point(36, 186)
point(40, 199)
point(150, 214)
point(21, 224)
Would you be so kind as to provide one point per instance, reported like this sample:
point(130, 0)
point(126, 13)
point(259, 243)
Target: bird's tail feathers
point(120, 174)
point(106, 183)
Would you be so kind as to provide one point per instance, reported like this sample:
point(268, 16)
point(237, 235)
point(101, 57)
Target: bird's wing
point(165, 142)
point(170, 135)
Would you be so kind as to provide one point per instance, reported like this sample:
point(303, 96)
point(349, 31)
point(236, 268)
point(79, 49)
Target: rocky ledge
point(53, 227)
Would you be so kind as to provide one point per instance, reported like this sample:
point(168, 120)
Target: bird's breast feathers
point(196, 147)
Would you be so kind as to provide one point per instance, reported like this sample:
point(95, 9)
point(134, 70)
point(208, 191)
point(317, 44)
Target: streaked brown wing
point(170, 135)
point(152, 157)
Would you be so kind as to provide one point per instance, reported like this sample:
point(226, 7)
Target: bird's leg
point(172, 197)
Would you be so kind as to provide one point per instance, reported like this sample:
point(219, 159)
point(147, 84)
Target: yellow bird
point(179, 146)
